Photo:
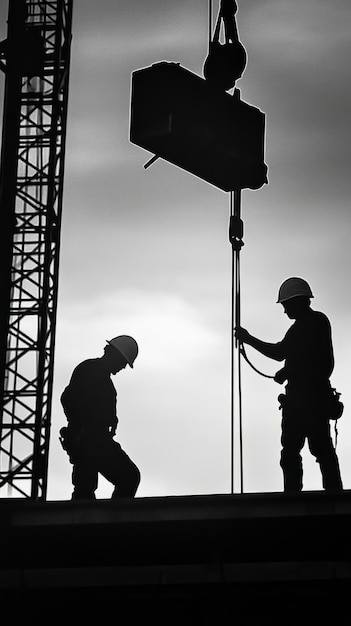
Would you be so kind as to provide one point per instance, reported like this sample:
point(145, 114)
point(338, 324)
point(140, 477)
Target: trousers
point(106, 457)
point(298, 425)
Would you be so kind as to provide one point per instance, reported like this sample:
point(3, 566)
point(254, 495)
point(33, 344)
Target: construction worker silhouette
point(89, 403)
point(306, 405)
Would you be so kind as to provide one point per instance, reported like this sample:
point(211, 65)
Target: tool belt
point(70, 442)
point(326, 401)
point(75, 441)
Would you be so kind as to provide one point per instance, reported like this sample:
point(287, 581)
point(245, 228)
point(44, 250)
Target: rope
point(242, 350)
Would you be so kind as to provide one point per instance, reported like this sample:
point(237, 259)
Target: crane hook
point(226, 62)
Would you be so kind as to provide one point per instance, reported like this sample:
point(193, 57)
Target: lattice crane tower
point(35, 58)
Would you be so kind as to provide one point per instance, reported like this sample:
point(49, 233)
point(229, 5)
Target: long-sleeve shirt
point(89, 400)
point(306, 348)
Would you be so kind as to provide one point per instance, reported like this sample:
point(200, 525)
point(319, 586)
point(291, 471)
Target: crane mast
point(35, 59)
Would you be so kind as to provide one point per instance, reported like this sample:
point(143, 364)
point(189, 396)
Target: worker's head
point(296, 307)
point(121, 351)
point(295, 295)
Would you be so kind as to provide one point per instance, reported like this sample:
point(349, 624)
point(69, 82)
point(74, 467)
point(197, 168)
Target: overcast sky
point(146, 252)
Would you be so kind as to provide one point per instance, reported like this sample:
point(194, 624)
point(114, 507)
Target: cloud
point(171, 333)
point(170, 406)
point(138, 28)
point(147, 253)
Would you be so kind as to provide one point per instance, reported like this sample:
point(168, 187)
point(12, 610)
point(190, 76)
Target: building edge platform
point(240, 554)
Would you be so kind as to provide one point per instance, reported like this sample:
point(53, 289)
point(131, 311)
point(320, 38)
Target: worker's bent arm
point(271, 350)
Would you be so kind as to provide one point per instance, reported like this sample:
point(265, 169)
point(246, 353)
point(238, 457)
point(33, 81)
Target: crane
point(35, 59)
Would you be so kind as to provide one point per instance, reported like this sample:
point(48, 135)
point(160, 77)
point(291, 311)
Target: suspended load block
point(178, 116)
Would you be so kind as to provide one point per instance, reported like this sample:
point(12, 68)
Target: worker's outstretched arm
point(272, 350)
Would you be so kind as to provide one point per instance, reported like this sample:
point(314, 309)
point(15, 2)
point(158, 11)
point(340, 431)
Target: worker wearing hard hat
point(309, 361)
point(89, 403)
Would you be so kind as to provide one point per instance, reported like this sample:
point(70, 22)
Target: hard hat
point(292, 287)
point(127, 346)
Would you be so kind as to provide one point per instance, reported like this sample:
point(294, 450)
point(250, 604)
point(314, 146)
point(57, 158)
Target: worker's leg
point(321, 446)
point(84, 479)
point(292, 440)
point(116, 466)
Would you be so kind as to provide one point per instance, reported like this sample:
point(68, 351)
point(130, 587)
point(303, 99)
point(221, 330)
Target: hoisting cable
point(236, 230)
point(235, 238)
point(237, 204)
point(209, 24)
point(232, 365)
point(224, 64)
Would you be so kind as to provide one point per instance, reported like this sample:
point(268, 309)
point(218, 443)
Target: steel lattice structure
point(35, 58)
